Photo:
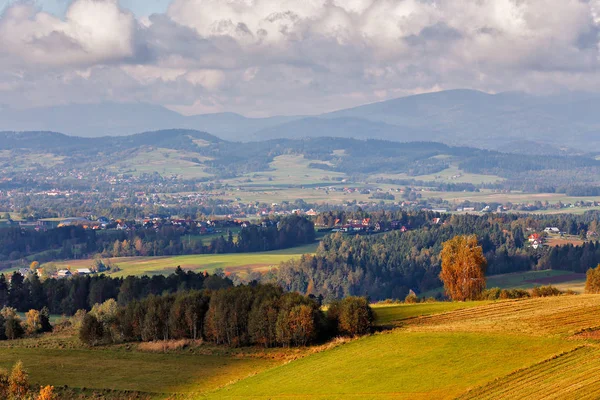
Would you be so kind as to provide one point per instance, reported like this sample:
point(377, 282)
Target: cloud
point(263, 57)
point(93, 31)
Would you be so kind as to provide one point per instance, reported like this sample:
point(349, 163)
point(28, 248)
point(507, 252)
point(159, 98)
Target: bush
point(3, 384)
point(491, 294)
point(47, 393)
point(545, 291)
point(18, 382)
point(592, 281)
point(411, 298)
point(355, 316)
point(13, 329)
point(504, 294)
point(92, 331)
point(514, 294)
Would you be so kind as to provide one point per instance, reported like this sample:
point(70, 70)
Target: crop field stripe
point(564, 315)
point(572, 375)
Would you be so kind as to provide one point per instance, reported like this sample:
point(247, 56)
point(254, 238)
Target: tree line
point(390, 264)
point(75, 242)
point(244, 315)
point(66, 296)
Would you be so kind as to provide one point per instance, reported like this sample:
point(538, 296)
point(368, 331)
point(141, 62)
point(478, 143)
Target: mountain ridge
point(457, 117)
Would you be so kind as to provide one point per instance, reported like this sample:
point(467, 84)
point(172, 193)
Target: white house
point(84, 271)
point(552, 230)
point(63, 273)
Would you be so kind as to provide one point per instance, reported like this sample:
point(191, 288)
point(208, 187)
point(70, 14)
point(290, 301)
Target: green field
point(490, 196)
point(239, 263)
point(563, 280)
point(504, 349)
point(287, 170)
point(451, 174)
point(166, 162)
point(394, 313)
point(440, 356)
point(573, 375)
point(398, 365)
point(123, 370)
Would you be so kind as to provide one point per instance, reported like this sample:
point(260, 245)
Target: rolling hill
point(506, 349)
point(527, 349)
point(190, 154)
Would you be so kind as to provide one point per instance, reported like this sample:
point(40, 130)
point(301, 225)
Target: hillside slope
point(448, 355)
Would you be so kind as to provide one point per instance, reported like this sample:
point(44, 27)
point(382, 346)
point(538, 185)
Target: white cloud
point(93, 31)
point(291, 56)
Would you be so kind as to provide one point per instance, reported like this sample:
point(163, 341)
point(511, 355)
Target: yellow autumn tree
point(47, 393)
point(33, 321)
point(34, 265)
point(463, 268)
point(18, 382)
point(592, 282)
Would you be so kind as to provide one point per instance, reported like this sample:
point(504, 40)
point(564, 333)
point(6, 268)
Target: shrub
point(355, 316)
point(77, 319)
point(514, 294)
point(545, 291)
point(13, 329)
point(592, 281)
point(47, 393)
point(411, 298)
point(491, 294)
point(18, 382)
point(92, 331)
point(4, 383)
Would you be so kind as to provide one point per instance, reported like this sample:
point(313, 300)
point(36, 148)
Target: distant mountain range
point(507, 121)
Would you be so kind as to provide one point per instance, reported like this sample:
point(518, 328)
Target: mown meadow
point(490, 349)
point(235, 262)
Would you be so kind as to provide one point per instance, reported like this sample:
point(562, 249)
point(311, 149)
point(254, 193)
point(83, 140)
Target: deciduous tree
point(18, 382)
point(463, 268)
point(592, 282)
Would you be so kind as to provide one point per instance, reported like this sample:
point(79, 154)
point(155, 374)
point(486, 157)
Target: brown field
point(556, 242)
point(536, 317)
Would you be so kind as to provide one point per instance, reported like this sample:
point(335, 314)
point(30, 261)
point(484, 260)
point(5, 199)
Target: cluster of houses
point(366, 225)
point(60, 274)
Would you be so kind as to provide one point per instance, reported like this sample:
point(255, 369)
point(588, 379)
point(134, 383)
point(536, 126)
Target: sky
point(272, 57)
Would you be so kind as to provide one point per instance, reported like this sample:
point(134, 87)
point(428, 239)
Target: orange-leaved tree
point(592, 282)
point(463, 268)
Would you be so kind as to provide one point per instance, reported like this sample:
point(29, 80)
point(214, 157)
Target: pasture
point(166, 162)
point(491, 348)
point(505, 349)
point(287, 170)
point(386, 314)
point(573, 375)
point(238, 262)
point(452, 174)
point(118, 369)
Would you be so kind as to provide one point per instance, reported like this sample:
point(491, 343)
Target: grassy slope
point(121, 370)
point(439, 356)
point(398, 365)
point(390, 314)
point(441, 350)
point(199, 262)
point(573, 375)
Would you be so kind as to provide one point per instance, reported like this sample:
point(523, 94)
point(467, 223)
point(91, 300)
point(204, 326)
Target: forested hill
point(390, 264)
point(63, 144)
point(348, 156)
